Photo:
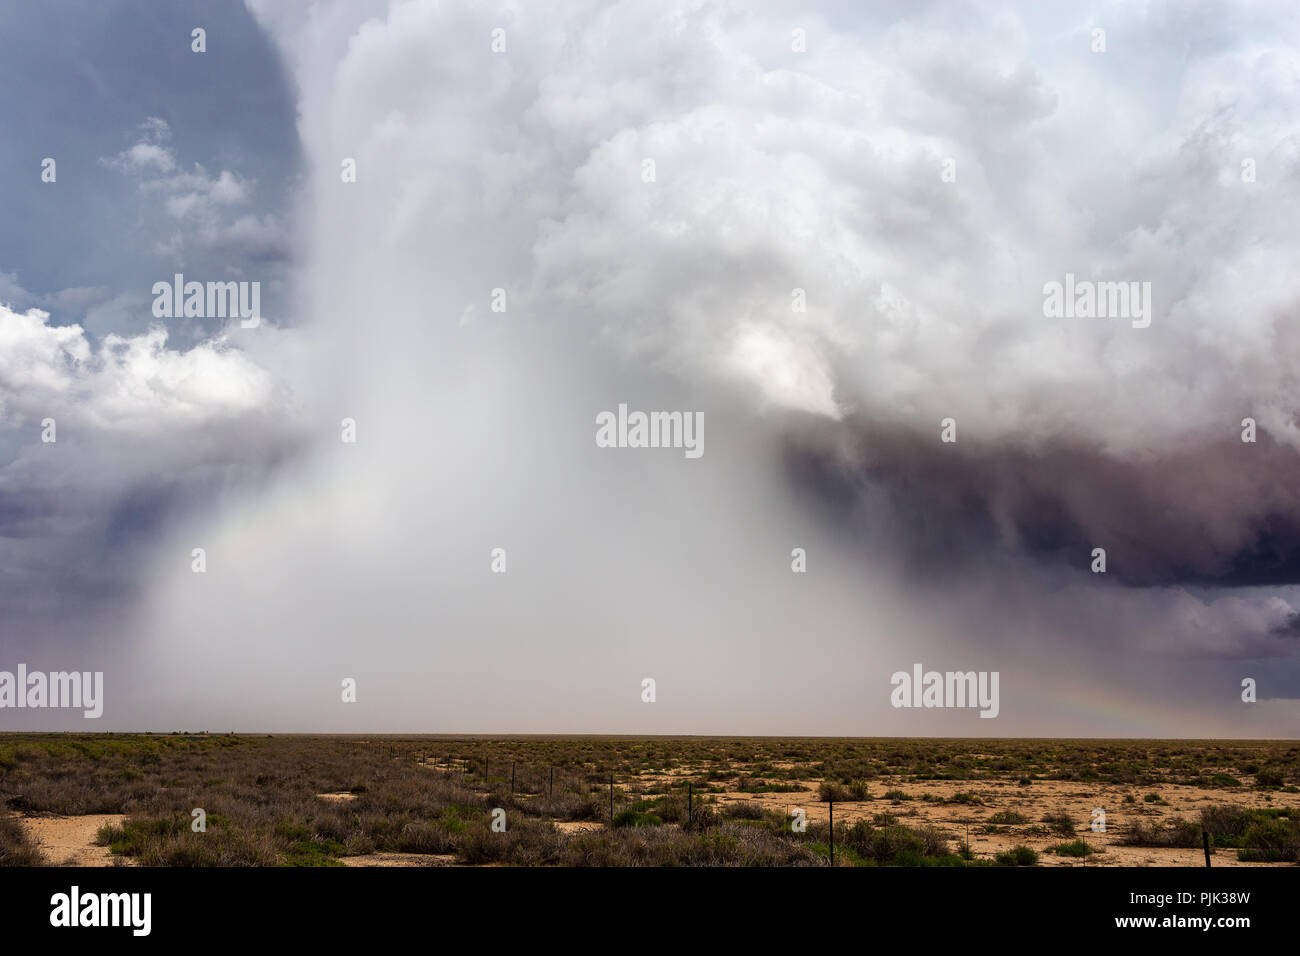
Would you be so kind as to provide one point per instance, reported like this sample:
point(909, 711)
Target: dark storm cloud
point(1210, 513)
point(79, 531)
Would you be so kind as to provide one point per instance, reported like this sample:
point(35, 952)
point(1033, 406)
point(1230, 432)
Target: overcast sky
point(649, 185)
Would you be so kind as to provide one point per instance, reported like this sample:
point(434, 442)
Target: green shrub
point(1017, 856)
point(894, 845)
point(16, 847)
point(132, 836)
point(1060, 823)
point(1073, 848)
point(743, 810)
point(828, 791)
point(1008, 817)
point(1271, 841)
point(1178, 833)
point(634, 818)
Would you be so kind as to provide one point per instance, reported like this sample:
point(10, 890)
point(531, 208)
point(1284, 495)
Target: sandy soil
point(1077, 800)
point(577, 826)
point(70, 841)
point(960, 821)
point(342, 797)
point(401, 859)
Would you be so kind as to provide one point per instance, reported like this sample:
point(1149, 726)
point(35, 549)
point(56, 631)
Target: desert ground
point(102, 800)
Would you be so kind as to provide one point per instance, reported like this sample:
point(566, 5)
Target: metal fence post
point(832, 806)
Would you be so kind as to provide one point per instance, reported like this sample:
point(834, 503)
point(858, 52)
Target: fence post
point(1205, 839)
point(690, 794)
point(550, 790)
point(611, 800)
point(512, 776)
point(832, 806)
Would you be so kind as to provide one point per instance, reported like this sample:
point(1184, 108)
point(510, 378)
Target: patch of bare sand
point(341, 797)
point(401, 859)
point(578, 826)
point(70, 841)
